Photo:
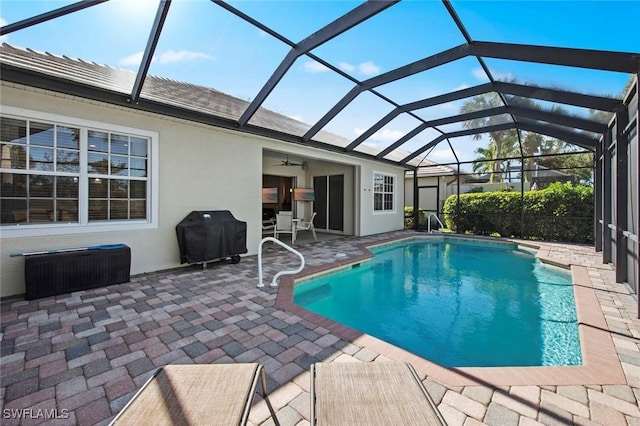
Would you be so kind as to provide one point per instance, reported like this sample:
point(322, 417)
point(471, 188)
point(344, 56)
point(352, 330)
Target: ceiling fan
point(288, 163)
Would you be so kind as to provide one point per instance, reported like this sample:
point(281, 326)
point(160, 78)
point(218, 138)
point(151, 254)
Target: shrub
point(560, 212)
point(475, 190)
point(422, 219)
point(409, 220)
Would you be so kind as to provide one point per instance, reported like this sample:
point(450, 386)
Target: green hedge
point(560, 212)
point(409, 219)
point(422, 219)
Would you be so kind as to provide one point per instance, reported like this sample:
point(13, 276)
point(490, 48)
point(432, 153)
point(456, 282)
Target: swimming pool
point(457, 302)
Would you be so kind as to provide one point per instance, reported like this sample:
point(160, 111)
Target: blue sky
point(204, 44)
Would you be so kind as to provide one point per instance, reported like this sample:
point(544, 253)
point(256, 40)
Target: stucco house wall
point(198, 168)
point(439, 188)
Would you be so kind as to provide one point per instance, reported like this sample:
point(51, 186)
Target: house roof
point(178, 94)
point(431, 169)
point(198, 103)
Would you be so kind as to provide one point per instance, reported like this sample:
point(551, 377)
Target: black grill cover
point(204, 236)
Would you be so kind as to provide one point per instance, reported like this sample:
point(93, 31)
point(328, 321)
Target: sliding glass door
point(329, 202)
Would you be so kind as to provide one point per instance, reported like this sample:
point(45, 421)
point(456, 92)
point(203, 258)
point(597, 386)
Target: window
point(63, 174)
point(383, 192)
point(117, 172)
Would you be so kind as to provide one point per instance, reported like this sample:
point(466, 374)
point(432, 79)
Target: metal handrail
point(627, 234)
point(429, 221)
point(274, 281)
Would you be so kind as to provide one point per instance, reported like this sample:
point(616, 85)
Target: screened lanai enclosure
point(416, 84)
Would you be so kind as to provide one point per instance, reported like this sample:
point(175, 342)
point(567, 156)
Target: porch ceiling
point(421, 130)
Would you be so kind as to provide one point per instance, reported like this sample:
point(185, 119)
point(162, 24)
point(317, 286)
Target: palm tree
point(482, 102)
point(530, 145)
point(483, 163)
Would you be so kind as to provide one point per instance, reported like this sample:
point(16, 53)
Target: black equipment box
point(64, 272)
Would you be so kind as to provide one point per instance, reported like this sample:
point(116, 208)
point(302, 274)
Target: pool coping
point(600, 362)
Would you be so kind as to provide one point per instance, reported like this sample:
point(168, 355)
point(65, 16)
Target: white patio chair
point(284, 225)
point(268, 228)
point(307, 226)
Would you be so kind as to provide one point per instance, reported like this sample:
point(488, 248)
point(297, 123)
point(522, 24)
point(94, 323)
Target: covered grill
point(205, 236)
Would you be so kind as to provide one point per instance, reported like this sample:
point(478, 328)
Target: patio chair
point(284, 225)
point(307, 226)
point(370, 393)
point(268, 228)
point(219, 394)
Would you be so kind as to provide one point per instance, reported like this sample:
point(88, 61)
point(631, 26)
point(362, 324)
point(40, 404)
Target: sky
point(202, 43)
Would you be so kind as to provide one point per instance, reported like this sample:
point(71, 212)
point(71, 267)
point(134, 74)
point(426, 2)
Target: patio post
point(521, 185)
point(458, 195)
point(607, 190)
point(598, 227)
point(416, 200)
point(622, 186)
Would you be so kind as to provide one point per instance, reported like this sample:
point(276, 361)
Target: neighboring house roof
point(156, 89)
point(544, 172)
point(541, 172)
point(430, 168)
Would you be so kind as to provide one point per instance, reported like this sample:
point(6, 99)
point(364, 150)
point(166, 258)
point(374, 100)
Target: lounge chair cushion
point(370, 393)
point(219, 394)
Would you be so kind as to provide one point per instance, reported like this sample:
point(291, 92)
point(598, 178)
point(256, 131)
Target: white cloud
point(366, 69)
point(479, 74)
point(297, 117)
point(388, 135)
point(168, 57)
point(441, 156)
point(132, 60)
point(314, 66)
point(172, 56)
point(345, 66)
point(503, 76)
point(384, 135)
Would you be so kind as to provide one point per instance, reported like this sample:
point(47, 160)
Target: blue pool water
point(459, 303)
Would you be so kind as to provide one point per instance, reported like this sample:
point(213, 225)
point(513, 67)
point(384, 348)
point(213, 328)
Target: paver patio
point(82, 356)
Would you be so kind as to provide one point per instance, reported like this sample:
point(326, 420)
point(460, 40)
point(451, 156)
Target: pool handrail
point(274, 281)
point(429, 222)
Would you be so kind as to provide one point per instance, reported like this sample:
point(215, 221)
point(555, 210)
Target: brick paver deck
point(82, 356)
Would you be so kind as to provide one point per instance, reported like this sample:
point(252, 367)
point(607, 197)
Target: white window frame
point(374, 192)
point(84, 225)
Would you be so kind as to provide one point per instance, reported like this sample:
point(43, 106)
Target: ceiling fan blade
point(287, 163)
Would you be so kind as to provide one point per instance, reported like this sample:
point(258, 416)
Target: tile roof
point(156, 89)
